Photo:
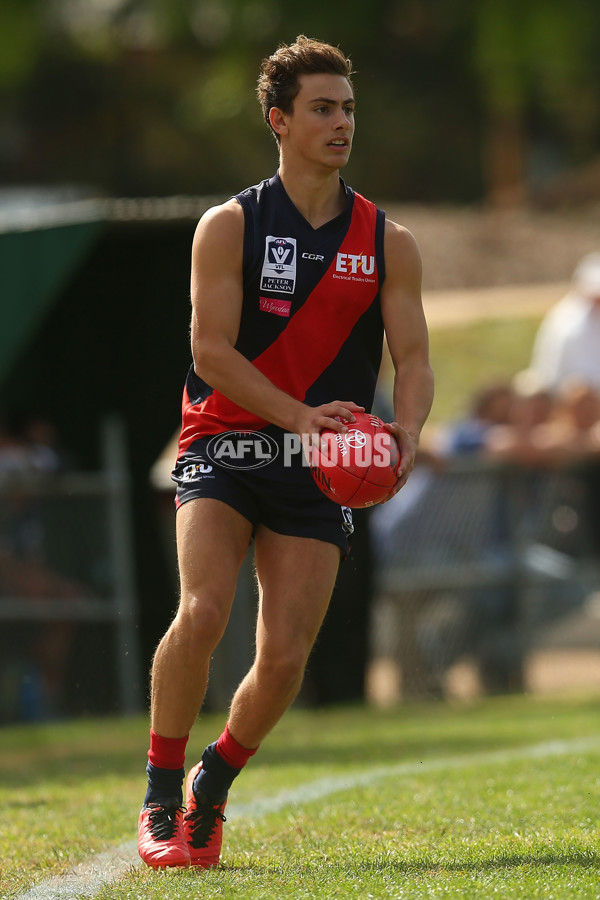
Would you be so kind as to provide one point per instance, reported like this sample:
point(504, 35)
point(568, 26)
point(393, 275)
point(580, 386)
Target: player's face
point(321, 125)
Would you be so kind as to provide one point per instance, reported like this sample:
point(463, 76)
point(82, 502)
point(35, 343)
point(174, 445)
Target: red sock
point(233, 753)
point(167, 753)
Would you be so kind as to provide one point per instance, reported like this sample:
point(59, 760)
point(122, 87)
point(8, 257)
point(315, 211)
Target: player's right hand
point(335, 415)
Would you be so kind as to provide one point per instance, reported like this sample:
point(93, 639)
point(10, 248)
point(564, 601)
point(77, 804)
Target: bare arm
point(407, 338)
point(216, 292)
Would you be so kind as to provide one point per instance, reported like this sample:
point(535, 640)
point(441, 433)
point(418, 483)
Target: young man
point(293, 283)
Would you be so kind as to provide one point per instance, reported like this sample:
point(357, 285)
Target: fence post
point(121, 546)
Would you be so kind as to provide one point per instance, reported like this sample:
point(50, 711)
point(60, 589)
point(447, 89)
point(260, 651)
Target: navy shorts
point(260, 476)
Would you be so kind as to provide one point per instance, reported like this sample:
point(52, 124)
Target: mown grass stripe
point(87, 879)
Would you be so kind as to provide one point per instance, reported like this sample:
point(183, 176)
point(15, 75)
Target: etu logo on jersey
point(279, 265)
point(355, 264)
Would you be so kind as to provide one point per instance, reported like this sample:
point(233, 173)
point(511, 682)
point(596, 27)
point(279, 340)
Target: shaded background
point(457, 101)
point(493, 106)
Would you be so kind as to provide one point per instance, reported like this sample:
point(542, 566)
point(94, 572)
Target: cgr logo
point(355, 264)
point(242, 450)
point(314, 256)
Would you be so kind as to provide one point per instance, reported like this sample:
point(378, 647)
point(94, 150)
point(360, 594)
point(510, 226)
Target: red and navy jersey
point(311, 317)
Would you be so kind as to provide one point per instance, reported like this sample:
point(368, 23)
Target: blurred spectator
point(530, 408)
point(39, 440)
point(558, 432)
point(490, 407)
point(534, 431)
point(568, 340)
point(33, 655)
point(572, 440)
point(14, 459)
point(42, 445)
point(499, 424)
point(502, 421)
point(572, 434)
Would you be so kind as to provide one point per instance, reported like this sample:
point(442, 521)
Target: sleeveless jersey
point(311, 318)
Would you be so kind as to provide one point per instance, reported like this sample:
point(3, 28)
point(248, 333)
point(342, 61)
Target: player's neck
point(318, 197)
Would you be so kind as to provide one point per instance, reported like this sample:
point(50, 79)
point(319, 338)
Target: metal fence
point(474, 562)
point(68, 641)
point(491, 564)
point(475, 566)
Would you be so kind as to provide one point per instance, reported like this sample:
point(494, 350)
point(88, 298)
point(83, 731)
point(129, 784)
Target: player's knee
point(284, 669)
point(202, 619)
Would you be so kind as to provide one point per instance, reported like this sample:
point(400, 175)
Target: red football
point(360, 467)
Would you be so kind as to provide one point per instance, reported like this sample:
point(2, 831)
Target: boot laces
point(163, 821)
point(203, 819)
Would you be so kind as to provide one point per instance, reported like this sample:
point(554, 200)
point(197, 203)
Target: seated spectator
point(39, 441)
point(490, 407)
point(499, 425)
point(37, 650)
point(573, 434)
point(567, 343)
point(517, 439)
point(14, 459)
point(546, 430)
point(571, 440)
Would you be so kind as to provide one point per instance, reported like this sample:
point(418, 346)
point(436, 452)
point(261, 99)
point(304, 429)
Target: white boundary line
point(89, 877)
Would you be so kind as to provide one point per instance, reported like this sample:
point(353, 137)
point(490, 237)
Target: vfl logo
point(280, 250)
point(242, 449)
point(279, 265)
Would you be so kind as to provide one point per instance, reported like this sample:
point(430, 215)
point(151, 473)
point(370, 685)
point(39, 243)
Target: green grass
point(466, 356)
point(466, 825)
point(521, 828)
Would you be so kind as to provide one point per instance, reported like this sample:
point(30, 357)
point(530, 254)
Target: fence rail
point(66, 562)
point(485, 560)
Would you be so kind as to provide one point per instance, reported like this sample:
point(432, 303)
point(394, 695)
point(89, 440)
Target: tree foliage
point(457, 101)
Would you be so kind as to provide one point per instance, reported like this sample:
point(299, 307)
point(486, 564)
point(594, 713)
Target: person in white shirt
point(567, 343)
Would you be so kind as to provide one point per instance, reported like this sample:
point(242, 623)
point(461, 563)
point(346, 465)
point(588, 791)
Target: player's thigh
point(212, 541)
point(296, 578)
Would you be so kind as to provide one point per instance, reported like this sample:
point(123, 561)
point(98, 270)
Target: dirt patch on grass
point(445, 309)
point(547, 672)
point(473, 248)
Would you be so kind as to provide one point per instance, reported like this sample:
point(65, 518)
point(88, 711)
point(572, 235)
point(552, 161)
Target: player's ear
point(278, 120)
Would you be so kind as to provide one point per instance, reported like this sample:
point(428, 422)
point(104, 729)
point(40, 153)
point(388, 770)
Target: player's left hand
point(408, 451)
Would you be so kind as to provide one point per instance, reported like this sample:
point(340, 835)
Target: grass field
point(473, 354)
point(496, 798)
point(499, 798)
